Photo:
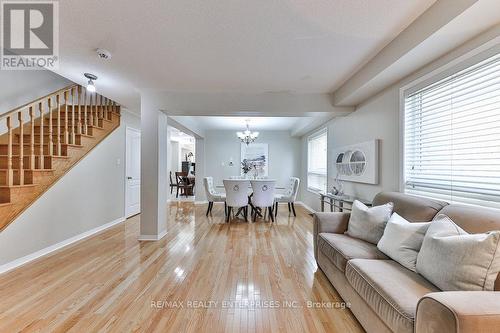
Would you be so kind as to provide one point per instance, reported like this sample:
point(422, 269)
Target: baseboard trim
point(149, 238)
point(45, 251)
point(305, 206)
point(202, 202)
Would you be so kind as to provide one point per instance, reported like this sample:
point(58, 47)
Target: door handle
point(129, 178)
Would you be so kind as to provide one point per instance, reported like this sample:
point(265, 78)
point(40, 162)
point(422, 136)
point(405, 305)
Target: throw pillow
point(368, 223)
point(402, 240)
point(453, 259)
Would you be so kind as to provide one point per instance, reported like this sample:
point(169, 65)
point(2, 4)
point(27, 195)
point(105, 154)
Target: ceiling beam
point(386, 67)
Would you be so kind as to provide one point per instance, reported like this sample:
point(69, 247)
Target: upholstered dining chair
point(289, 196)
point(263, 196)
point(236, 196)
point(213, 195)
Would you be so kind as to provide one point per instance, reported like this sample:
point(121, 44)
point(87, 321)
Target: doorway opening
point(182, 165)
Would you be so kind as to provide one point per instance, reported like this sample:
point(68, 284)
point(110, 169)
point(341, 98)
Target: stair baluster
point(91, 110)
point(21, 147)
point(106, 106)
point(72, 135)
point(41, 157)
point(79, 120)
point(66, 134)
point(10, 171)
point(58, 130)
point(85, 125)
point(32, 137)
point(99, 109)
point(51, 133)
point(96, 119)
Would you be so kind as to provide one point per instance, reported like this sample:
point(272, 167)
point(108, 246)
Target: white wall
point(284, 155)
point(376, 119)
point(21, 87)
point(379, 118)
point(90, 195)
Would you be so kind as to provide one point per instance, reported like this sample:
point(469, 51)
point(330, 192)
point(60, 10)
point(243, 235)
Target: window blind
point(452, 137)
point(317, 161)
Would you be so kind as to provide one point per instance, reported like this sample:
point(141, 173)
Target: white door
point(133, 173)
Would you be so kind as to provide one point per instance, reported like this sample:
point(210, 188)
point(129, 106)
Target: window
point(452, 137)
point(316, 161)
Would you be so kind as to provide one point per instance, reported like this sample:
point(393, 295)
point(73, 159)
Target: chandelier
point(247, 136)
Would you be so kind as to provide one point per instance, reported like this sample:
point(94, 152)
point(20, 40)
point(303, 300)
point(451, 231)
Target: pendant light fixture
point(247, 136)
point(90, 84)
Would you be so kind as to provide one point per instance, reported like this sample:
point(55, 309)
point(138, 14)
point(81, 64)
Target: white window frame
point(322, 131)
point(454, 66)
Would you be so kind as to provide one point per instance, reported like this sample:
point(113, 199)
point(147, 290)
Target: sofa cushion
point(390, 290)
point(340, 248)
point(368, 223)
point(402, 240)
point(453, 259)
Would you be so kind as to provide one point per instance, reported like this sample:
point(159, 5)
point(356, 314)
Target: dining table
point(250, 193)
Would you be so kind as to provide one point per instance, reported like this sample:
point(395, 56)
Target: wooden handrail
point(19, 108)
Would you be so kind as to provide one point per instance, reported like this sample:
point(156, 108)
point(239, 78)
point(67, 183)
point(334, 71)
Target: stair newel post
point(32, 138)
point(72, 135)
point(51, 132)
point(21, 148)
point(10, 171)
point(42, 159)
point(66, 134)
point(58, 130)
point(79, 121)
point(85, 128)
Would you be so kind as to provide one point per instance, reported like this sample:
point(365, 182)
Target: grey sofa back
point(412, 208)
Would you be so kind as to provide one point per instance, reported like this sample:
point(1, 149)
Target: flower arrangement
point(246, 166)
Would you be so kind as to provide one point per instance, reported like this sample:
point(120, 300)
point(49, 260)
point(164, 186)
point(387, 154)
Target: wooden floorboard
point(108, 282)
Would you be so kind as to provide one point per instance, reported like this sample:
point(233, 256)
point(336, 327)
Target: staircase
point(44, 139)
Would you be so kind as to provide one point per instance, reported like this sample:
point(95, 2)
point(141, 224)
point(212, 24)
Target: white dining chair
point(289, 196)
point(212, 194)
point(236, 196)
point(263, 196)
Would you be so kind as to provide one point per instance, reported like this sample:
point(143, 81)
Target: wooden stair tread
point(17, 186)
point(37, 155)
point(30, 170)
point(45, 143)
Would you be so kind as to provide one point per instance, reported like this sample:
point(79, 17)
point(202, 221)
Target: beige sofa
point(385, 296)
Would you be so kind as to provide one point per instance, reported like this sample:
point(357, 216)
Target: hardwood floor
point(113, 283)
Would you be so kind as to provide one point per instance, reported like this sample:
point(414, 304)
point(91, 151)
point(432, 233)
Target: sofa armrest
point(328, 222)
point(458, 311)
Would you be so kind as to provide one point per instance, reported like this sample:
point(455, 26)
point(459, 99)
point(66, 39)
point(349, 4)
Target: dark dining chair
point(183, 184)
point(172, 184)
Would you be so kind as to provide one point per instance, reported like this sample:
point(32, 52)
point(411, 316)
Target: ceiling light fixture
point(247, 136)
point(90, 84)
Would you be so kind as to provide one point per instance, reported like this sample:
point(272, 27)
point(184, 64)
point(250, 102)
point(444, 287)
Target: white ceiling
point(255, 46)
point(256, 123)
